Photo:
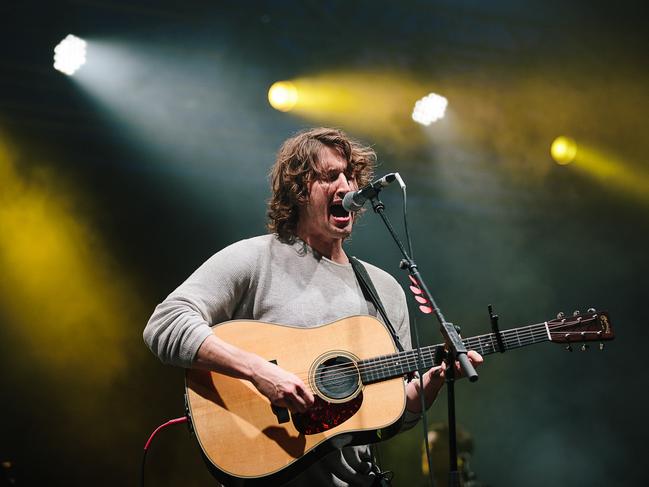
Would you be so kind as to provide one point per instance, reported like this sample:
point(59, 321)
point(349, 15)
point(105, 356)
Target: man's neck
point(331, 249)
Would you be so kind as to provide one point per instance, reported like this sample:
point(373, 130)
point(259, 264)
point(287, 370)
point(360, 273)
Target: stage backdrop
point(117, 182)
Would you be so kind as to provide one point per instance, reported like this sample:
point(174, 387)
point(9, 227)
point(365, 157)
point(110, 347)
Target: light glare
point(429, 109)
point(283, 96)
point(563, 150)
point(70, 54)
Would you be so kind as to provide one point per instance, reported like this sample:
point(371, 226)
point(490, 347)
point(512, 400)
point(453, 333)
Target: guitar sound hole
point(337, 378)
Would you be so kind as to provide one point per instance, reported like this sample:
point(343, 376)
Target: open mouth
point(339, 213)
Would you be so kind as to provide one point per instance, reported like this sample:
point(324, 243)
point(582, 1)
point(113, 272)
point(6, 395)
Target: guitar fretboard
point(386, 367)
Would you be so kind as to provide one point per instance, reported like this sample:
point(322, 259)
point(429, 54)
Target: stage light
point(563, 150)
point(70, 54)
point(429, 109)
point(283, 96)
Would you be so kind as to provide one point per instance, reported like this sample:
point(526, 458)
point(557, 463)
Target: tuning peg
point(584, 347)
point(601, 346)
point(592, 310)
point(568, 348)
point(561, 315)
point(576, 312)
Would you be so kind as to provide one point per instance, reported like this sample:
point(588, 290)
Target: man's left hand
point(433, 382)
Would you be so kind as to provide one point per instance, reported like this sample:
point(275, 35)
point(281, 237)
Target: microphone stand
point(455, 349)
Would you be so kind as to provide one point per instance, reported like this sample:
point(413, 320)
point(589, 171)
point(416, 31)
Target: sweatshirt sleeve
point(180, 324)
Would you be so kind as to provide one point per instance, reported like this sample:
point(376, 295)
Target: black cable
point(422, 397)
point(142, 468)
point(405, 222)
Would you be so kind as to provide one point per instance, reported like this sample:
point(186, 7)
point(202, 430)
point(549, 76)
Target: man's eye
point(330, 177)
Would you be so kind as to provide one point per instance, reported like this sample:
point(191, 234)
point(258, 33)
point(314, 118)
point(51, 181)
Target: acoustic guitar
point(356, 375)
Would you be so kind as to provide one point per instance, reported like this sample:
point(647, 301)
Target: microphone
point(354, 200)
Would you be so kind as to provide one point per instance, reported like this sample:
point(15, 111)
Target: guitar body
point(357, 379)
point(246, 441)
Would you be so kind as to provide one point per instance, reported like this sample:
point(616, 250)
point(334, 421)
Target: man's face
point(323, 218)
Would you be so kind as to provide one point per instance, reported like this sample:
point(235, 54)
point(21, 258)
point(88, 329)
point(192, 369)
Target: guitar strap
point(383, 478)
point(371, 294)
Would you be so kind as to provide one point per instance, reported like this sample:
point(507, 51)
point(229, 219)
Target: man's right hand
point(282, 388)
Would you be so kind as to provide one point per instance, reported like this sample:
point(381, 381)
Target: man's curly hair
point(297, 165)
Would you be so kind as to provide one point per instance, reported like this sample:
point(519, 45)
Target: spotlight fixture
point(70, 54)
point(429, 109)
point(283, 96)
point(563, 150)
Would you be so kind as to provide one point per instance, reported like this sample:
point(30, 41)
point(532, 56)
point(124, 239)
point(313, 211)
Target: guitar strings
point(411, 357)
point(511, 339)
point(349, 370)
point(383, 360)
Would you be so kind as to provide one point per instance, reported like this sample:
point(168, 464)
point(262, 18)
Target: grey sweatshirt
point(264, 279)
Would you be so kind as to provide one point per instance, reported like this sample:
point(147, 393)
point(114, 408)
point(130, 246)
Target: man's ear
point(303, 199)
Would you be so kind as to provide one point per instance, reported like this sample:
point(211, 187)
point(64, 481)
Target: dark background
point(117, 183)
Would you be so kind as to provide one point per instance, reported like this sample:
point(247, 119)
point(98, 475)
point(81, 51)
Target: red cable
point(183, 419)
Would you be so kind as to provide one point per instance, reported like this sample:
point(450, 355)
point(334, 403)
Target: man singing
point(297, 275)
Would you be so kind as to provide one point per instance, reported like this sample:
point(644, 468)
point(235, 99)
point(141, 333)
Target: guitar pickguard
point(323, 415)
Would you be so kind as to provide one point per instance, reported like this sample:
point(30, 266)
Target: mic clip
point(354, 200)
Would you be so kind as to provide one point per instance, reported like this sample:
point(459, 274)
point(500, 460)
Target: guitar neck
point(386, 367)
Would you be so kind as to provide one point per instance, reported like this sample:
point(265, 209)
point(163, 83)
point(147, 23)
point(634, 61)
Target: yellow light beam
point(612, 170)
point(64, 302)
point(378, 104)
point(601, 166)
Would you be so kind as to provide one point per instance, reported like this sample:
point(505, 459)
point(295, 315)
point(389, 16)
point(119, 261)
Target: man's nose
point(343, 186)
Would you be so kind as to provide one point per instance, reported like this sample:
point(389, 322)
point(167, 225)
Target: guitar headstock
point(592, 326)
